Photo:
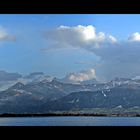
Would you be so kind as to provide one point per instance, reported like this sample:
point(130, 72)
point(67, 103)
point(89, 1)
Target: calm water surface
point(70, 121)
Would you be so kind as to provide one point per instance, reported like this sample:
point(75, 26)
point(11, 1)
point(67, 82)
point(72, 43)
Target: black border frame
point(69, 7)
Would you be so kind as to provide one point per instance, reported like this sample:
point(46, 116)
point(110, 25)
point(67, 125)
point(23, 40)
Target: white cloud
point(87, 32)
point(134, 37)
point(101, 36)
point(80, 76)
point(4, 35)
point(76, 36)
point(112, 38)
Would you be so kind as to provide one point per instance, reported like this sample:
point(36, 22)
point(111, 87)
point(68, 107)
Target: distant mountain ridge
point(44, 93)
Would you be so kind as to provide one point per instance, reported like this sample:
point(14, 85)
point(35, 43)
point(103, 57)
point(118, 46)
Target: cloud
point(5, 36)
point(117, 58)
point(112, 38)
point(5, 76)
point(76, 36)
point(134, 37)
point(90, 63)
point(80, 76)
point(85, 62)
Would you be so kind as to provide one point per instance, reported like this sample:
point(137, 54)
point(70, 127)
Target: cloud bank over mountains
point(77, 77)
point(9, 79)
point(6, 76)
point(117, 58)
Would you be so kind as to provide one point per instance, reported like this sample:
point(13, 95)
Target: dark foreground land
point(47, 115)
point(115, 112)
point(68, 114)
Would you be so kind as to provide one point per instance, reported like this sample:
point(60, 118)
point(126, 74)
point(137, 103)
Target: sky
point(73, 46)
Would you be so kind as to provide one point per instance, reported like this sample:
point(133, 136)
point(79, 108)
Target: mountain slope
point(112, 98)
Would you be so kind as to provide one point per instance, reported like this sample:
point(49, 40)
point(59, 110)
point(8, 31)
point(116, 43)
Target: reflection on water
point(70, 121)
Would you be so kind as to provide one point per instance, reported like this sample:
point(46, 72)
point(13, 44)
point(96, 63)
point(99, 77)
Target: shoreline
point(68, 115)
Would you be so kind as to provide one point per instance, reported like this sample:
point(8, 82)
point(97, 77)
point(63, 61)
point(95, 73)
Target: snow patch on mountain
point(119, 106)
point(103, 93)
point(22, 91)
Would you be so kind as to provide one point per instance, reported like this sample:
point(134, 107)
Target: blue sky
point(27, 54)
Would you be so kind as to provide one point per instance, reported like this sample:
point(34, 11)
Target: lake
point(70, 121)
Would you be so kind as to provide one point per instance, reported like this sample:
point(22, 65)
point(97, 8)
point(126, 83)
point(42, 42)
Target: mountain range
point(38, 93)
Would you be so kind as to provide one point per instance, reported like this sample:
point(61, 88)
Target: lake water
point(70, 121)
